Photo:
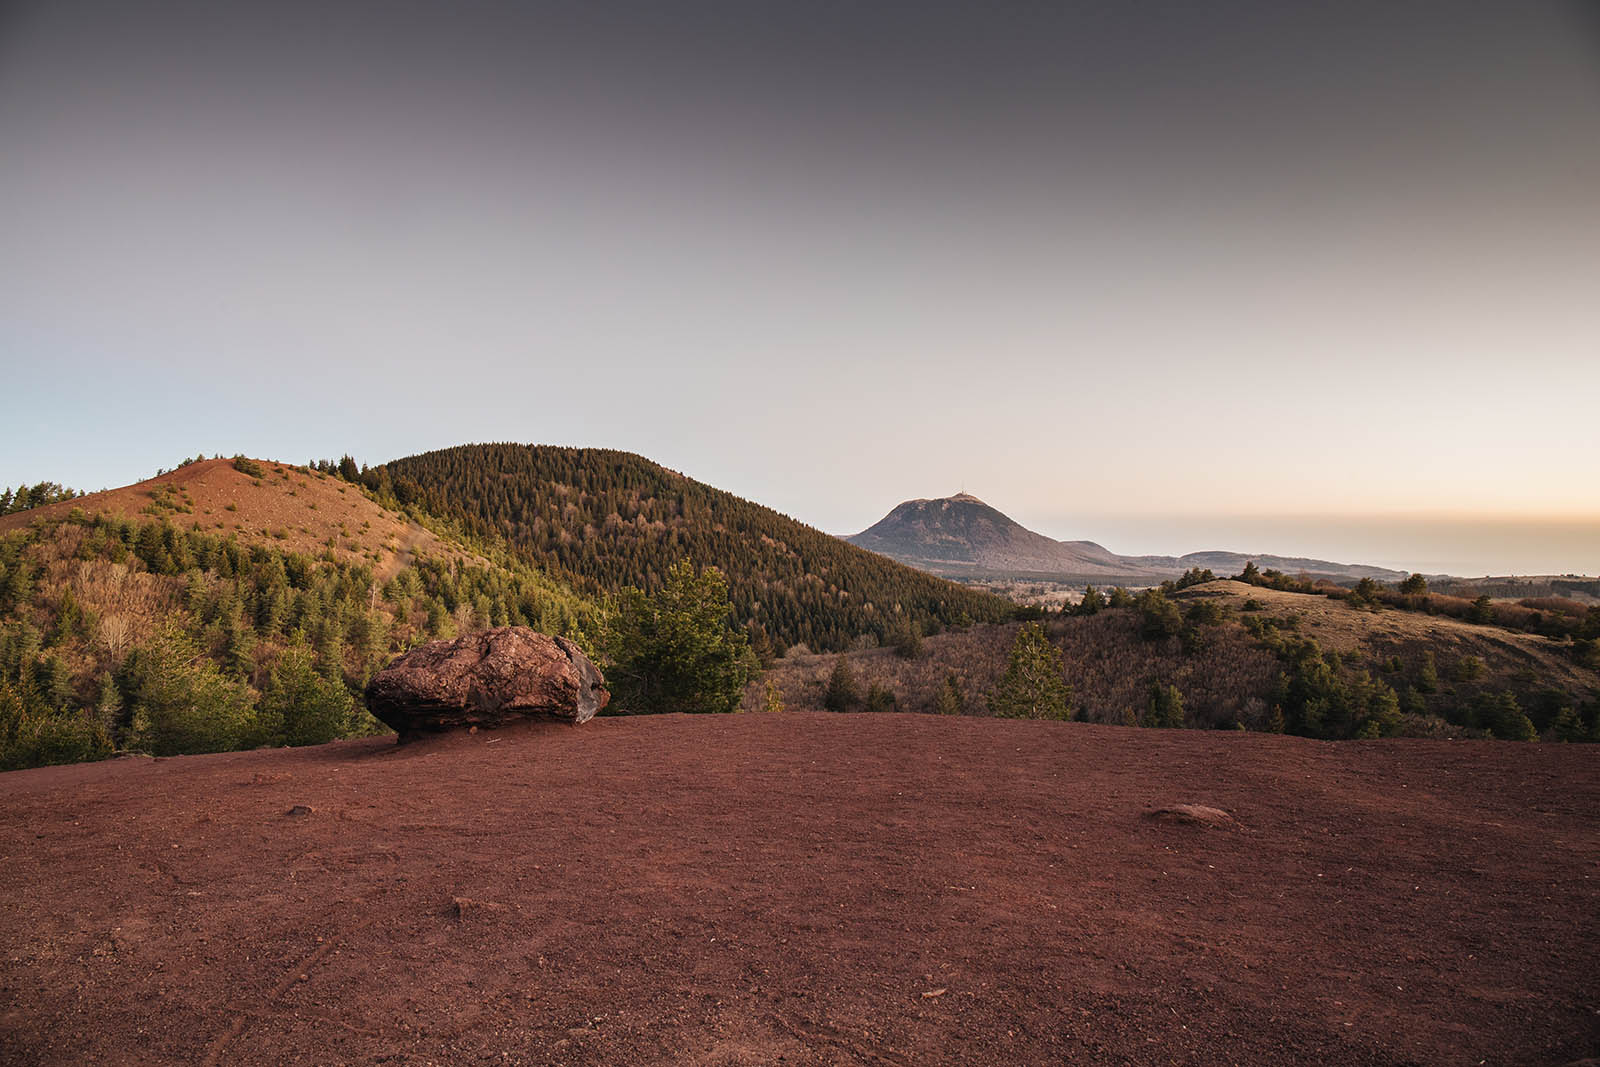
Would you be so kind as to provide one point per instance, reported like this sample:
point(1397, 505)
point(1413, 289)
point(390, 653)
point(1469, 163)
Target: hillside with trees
point(1219, 654)
point(605, 520)
point(205, 611)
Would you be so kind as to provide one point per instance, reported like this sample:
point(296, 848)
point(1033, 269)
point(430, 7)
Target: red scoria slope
point(289, 508)
point(806, 889)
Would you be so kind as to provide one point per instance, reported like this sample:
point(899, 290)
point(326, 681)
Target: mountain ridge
point(961, 536)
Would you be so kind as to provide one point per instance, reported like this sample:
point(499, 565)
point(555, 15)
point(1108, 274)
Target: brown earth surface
point(807, 889)
point(289, 508)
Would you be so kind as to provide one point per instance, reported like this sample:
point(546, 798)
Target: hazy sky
point(1152, 274)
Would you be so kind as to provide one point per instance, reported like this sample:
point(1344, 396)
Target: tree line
point(25, 497)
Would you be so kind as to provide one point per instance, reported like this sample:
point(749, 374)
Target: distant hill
point(962, 537)
point(604, 519)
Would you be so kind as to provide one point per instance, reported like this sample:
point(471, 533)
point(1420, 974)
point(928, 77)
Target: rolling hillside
point(605, 520)
point(276, 505)
point(229, 604)
point(1242, 653)
point(962, 537)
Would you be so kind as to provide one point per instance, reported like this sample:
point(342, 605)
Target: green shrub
point(44, 740)
point(1481, 611)
point(181, 702)
point(907, 640)
point(301, 706)
point(1159, 617)
point(676, 651)
point(1164, 706)
point(1428, 675)
point(1500, 714)
point(1320, 699)
point(951, 700)
point(842, 694)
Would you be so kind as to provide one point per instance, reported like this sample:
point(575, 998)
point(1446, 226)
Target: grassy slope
point(1507, 654)
point(287, 508)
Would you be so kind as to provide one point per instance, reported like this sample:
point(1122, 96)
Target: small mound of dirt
point(1192, 815)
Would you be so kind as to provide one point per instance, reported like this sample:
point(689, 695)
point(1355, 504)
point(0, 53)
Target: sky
point(1308, 279)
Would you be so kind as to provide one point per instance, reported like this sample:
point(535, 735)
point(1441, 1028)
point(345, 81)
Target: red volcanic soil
point(807, 889)
point(287, 507)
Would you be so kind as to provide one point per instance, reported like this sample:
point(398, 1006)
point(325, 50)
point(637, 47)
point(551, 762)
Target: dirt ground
point(807, 889)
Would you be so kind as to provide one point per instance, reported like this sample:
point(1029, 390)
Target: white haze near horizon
point(1464, 546)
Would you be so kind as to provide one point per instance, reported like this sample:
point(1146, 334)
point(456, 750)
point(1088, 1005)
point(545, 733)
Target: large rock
point(486, 679)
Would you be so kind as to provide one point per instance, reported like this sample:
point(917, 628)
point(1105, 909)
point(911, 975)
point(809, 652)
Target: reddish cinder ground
point(806, 889)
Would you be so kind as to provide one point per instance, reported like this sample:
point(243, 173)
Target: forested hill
point(605, 519)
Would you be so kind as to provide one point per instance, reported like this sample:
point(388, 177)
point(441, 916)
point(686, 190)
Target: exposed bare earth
point(287, 508)
point(807, 889)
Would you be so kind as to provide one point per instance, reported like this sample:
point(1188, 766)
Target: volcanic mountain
point(961, 536)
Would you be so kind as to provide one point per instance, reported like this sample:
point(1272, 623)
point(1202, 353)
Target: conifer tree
point(675, 651)
point(907, 639)
point(880, 698)
point(301, 706)
point(1159, 617)
point(1428, 675)
point(951, 700)
point(1034, 685)
point(1164, 706)
point(181, 702)
point(842, 693)
point(238, 650)
point(1481, 611)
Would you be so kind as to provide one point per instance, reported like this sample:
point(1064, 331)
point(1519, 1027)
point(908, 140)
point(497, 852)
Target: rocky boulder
point(486, 679)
